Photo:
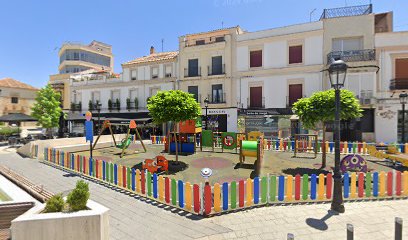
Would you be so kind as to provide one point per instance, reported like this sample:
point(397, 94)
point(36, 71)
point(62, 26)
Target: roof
point(155, 57)
point(215, 30)
point(12, 83)
point(17, 117)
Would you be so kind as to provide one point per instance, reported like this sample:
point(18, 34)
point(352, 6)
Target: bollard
point(291, 236)
point(350, 232)
point(398, 228)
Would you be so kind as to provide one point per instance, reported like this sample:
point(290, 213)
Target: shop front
point(220, 119)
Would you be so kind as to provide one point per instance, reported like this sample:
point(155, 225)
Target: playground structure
point(186, 137)
point(390, 153)
point(125, 142)
point(159, 163)
point(305, 143)
point(252, 149)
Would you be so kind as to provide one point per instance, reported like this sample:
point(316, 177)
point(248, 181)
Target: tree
point(173, 106)
point(320, 109)
point(47, 108)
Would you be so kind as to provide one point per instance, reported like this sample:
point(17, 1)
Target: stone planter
point(90, 224)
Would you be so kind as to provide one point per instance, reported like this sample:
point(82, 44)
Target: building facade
point(16, 97)
point(206, 63)
point(77, 57)
point(274, 69)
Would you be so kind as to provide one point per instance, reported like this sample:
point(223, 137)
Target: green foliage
point(136, 103)
point(90, 105)
point(54, 204)
point(47, 108)
point(110, 104)
point(117, 104)
point(8, 131)
point(320, 107)
point(78, 198)
point(173, 105)
point(128, 103)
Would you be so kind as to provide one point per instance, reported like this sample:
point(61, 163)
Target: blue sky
point(33, 30)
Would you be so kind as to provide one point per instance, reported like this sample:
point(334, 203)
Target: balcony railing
point(290, 104)
point(366, 97)
point(195, 72)
point(216, 70)
point(347, 11)
point(399, 84)
point(76, 107)
point(197, 97)
point(257, 104)
point(217, 98)
point(94, 106)
point(352, 55)
point(204, 41)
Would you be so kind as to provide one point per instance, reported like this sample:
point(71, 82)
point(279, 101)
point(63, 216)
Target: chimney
point(152, 50)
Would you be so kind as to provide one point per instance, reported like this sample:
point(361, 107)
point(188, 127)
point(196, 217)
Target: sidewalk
point(136, 218)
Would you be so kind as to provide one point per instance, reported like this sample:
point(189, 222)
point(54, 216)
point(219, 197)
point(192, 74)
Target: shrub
point(78, 198)
point(54, 204)
point(8, 131)
point(110, 104)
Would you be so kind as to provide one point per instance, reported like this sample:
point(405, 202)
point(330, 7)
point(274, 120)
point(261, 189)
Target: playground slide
point(394, 156)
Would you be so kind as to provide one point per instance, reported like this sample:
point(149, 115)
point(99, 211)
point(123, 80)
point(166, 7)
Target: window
point(220, 39)
point(255, 58)
point(200, 42)
point(255, 97)
point(133, 94)
point(216, 66)
point(401, 68)
point(194, 90)
point(193, 68)
point(133, 74)
point(155, 72)
point(168, 70)
point(217, 94)
point(115, 95)
point(295, 54)
point(153, 91)
point(14, 100)
point(96, 97)
point(295, 93)
point(347, 44)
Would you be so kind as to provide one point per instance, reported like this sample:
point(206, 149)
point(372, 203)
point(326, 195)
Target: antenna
point(310, 14)
point(162, 43)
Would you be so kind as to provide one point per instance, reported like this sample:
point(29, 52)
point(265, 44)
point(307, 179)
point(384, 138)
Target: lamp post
point(337, 74)
point(206, 101)
point(98, 108)
point(403, 100)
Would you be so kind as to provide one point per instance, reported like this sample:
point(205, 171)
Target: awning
point(17, 117)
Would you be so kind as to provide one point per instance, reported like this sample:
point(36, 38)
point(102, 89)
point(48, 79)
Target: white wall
point(386, 122)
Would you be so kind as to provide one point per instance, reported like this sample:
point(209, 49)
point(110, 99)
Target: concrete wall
point(90, 224)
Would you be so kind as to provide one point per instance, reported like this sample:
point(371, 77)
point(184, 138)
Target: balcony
point(257, 104)
point(347, 11)
point(289, 103)
point(366, 97)
point(352, 55)
point(192, 72)
point(131, 105)
point(94, 106)
point(216, 70)
point(217, 98)
point(399, 84)
point(204, 41)
point(76, 107)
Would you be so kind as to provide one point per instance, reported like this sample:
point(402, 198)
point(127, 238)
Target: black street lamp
point(98, 108)
point(337, 74)
point(403, 100)
point(206, 101)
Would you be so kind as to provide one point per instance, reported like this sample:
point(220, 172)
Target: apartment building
point(16, 97)
point(392, 54)
point(123, 97)
point(78, 57)
point(275, 68)
point(206, 63)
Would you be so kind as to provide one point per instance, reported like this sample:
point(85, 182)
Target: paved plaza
point(136, 218)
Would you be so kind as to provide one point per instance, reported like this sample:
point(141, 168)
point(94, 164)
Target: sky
point(32, 31)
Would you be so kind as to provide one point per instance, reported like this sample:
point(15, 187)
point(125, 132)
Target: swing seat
point(124, 143)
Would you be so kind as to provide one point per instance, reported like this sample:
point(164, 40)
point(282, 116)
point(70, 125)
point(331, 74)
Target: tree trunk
point(324, 147)
point(175, 140)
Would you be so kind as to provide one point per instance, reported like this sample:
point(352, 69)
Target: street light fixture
point(206, 101)
point(403, 100)
point(337, 74)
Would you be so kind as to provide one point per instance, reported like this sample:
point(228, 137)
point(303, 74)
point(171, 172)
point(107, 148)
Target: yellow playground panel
point(253, 136)
point(391, 154)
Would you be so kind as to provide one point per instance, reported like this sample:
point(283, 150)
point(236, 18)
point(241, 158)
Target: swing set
point(125, 142)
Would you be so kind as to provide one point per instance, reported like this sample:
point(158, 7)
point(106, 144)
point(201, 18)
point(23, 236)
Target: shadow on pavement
point(320, 224)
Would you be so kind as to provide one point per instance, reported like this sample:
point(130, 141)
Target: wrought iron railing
point(366, 97)
point(216, 70)
point(76, 107)
point(352, 55)
point(347, 11)
point(399, 84)
point(196, 72)
point(256, 104)
point(217, 98)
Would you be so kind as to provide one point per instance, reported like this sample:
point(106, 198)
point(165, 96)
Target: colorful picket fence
point(228, 196)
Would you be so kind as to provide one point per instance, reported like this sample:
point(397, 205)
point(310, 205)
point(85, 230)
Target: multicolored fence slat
point(244, 193)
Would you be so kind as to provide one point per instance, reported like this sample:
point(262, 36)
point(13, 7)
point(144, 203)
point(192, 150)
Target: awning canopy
point(17, 117)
